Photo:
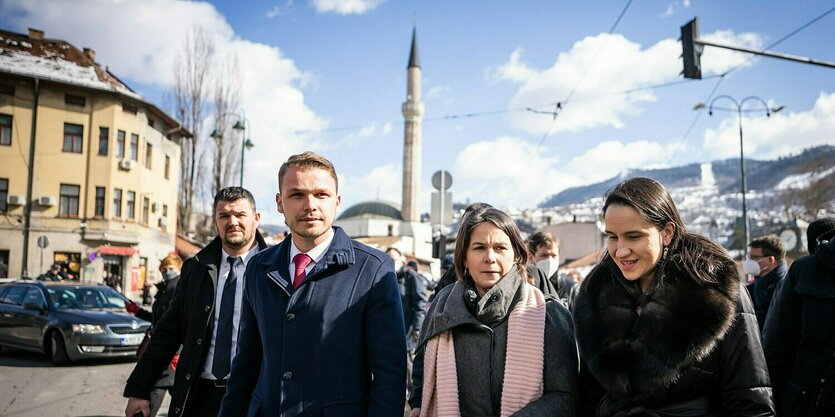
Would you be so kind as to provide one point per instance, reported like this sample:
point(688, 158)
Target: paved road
point(31, 387)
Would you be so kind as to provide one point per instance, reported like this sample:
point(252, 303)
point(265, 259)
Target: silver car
point(68, 321)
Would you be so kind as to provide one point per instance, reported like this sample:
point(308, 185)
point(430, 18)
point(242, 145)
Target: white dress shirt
point(316, 254)
point(223, 273)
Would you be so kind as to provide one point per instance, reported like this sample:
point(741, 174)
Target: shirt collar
point(317, 253)
point(245, 257)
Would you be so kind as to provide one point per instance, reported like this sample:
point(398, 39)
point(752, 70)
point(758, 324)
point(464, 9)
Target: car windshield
point(85, 297)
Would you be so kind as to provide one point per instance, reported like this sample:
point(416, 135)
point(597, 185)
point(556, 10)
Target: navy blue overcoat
point(333, 347)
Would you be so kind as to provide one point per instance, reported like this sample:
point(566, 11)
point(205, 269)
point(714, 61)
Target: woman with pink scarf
point(492, 344)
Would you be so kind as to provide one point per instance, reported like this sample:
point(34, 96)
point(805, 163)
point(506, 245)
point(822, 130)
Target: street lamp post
point(768, 112)
point(246, 143)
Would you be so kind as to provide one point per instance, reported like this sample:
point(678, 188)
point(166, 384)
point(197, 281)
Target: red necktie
point(301, 260)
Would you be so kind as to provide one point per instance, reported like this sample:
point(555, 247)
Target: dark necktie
point(223, 340)
point(301, 260)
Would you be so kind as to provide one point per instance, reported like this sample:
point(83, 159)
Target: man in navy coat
point(322, 330)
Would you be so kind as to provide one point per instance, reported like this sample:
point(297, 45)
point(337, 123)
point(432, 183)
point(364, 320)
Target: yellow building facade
point(85, 163)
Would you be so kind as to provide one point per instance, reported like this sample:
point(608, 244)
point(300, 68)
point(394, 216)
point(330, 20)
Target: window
point(120, 144)
point(104, 139)
point(5, 130)
point(99, 202)
point(70, 263)
point(167, 166)
point(7, 89)
point(4, 257)
point(68, 206)
point(150, 122)
point(14, 294)
point(165, 210)
point(117, 202)
point(146, 203)
point(75, 100)
point(72, 137)
point(129, 108)
point(4, 194)
point(134, 146)
point(131, 205)
point(34, 297)
point(149, 152)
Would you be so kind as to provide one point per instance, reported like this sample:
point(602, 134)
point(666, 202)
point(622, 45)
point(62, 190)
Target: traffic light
point(691, 50)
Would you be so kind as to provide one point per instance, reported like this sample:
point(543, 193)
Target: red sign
point(117, 250)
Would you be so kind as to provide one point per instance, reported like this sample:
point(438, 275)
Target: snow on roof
point(58, 61)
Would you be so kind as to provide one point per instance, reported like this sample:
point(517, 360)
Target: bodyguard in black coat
point(188, 322)
point(664, 325)
point(799, 333)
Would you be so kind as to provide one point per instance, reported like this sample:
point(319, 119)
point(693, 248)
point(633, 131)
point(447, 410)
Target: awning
point(185, 248)
point(117, 250)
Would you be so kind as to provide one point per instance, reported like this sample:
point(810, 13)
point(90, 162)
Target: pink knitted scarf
point(523, 367)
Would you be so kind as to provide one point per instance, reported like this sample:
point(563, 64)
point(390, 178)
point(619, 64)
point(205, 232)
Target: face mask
point(169, 274)
point(751, 267)
point(548, 266)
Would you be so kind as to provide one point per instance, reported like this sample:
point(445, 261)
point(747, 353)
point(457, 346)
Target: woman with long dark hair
point(663, 323)
point(491, 345)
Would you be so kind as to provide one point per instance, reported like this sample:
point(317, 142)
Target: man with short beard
point(322, 329)
point(203, 316)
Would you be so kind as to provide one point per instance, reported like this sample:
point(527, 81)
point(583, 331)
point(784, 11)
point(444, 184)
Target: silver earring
point(664, 255)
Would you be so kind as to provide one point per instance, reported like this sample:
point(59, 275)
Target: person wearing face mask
point(543, 266)
point(413, 299)
point(169, 268)
point(799, 332)
point(767, 264)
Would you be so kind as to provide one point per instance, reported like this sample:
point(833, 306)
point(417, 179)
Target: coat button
point(291, 317)
point(208, 307)
point(495, 297)
point(188, 377)
point(287, 376)
point(177, 410)
point(199, 342)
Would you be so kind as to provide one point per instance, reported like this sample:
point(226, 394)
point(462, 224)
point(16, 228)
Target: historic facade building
point(86, 163)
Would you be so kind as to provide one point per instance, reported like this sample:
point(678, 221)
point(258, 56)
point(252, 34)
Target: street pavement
point(30, 386)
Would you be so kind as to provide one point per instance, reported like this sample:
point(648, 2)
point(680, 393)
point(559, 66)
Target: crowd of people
point(322, 325)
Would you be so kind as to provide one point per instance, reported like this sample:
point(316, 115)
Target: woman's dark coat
point(165, 293)
point(479, 330)
point(799, 337)
point(684, 349)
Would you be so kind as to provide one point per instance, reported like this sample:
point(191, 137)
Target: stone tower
point(413, 131)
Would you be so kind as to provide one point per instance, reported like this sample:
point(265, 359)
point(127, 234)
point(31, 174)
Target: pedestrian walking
point(664, 325)
point(491, 343)
point(413, 299)
point(799, 333)
point(52, 274)
point(170, 268)
point(766, 262)
point(321, 321)
point(203, 316)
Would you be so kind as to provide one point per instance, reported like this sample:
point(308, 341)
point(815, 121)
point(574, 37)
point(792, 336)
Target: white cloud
point(669, 11)
point(140, 40)
point(274, 12)
point(490, 171)
point(382, 183)
point(686, 3)
point(783, 133)
point(611, 63)
point(346, 6)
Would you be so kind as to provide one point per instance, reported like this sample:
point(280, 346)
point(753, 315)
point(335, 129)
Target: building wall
point(87, 233)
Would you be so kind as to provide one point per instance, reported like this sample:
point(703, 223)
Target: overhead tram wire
point(750, 57)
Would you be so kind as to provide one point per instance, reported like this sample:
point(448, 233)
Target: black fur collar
point(635, 345)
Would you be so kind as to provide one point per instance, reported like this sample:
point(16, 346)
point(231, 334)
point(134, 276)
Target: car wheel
point(59, 349)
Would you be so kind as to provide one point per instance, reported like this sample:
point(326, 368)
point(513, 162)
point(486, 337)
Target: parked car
point(68, 321)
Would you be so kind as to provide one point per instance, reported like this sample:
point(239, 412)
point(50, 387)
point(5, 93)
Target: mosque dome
point(372, 210)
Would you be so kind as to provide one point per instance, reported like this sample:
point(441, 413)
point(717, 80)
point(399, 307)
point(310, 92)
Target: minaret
point(413, 131)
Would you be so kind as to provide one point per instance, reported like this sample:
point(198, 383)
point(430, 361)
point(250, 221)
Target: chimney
point(90, 54)
point(35, 34)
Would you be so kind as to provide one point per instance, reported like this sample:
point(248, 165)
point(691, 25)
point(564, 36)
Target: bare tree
point(191, 72)
point(226, 159)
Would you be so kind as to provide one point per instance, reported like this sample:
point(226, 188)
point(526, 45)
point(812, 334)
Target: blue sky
point(330, 76)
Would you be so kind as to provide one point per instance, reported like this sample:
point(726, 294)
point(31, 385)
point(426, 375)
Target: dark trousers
point(205, 399)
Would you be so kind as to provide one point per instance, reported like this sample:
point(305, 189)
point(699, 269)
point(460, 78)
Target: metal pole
point(243, 149)
point(441, 238)
point(788, 57)
point(744, 187)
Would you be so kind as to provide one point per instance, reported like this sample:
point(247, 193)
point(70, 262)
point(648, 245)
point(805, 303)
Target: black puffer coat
point(681, 349)
point(799, 337)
